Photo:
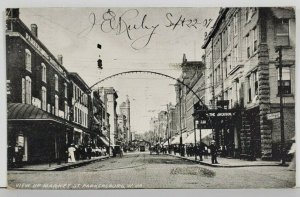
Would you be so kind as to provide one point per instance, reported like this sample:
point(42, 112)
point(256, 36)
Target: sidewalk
point(230, 163)
point(58, 167)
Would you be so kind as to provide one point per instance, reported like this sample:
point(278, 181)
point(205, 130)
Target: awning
point(177, 138)
point(26, 112)
point(206, 137)
point(105, 141)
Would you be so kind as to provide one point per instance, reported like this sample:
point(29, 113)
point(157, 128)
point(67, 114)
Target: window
point(66, 110)
point(282, 32)
point(225, 66)
point(44, 98)
point(228, 34)
point(75, 114)
point(286, 81)
point(249, 88)
point(56, 105)
point(23, 90)
point(66, 90)
point(27, 90)
point(255, 79)
point(229, 62)
point(27, 60)
point(235, 19)
point(248, 46)
point(219, 74)
point(44, 73)
point(56, 82)
point(255, 39)
point(235, 55)
point(247, 14)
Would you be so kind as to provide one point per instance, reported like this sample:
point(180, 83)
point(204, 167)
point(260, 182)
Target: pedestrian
point(292, 151)
point(89, 151)
point(214, 152)
point(71, 154)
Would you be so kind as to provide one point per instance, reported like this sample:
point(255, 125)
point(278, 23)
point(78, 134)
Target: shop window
point(286, 81)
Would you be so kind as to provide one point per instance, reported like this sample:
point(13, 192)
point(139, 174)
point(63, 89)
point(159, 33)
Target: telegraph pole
point(279, 50)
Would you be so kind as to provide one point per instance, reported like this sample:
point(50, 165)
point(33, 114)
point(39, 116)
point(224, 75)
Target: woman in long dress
point(71, 155)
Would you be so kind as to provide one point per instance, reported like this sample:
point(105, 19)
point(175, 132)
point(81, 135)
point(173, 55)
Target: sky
point(152, 39)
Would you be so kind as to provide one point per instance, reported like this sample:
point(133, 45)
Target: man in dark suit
point(214, 152)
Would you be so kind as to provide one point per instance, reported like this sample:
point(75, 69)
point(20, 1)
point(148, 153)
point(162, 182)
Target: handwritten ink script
point(138, 28)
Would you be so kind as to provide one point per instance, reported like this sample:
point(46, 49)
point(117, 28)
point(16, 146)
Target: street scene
point(134, 98)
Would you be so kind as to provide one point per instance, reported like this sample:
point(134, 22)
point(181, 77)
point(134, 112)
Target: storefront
point(35, 136)
point(222, 124)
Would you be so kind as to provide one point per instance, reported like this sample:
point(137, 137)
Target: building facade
point(242, 70)
point(125, 111)
point(49, 108)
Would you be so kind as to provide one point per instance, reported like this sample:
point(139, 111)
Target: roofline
point(39, 42)
point(76, 75)
point(215, 27)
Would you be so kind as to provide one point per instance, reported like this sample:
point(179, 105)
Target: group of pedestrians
point(81, 152)
point(199, 150)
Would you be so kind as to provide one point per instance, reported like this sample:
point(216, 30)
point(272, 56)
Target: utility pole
point(180, 127)
point(279, 50)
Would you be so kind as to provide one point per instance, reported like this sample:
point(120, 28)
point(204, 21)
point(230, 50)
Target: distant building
point(125, 111)
point(110, 99)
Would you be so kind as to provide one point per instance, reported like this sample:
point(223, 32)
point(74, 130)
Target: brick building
point(49, 108)
point(242, 69)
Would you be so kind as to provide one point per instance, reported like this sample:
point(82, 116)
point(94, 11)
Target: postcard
point(150, 97)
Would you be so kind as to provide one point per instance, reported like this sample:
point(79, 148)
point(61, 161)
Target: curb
point(63, 166)
point(224, 166)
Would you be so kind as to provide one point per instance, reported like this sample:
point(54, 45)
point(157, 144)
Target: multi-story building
point(48, 108)
point(242, 73)
point(38, 94)
point(125, 110)
point(172, 124)
point(154, 129)
point(122, 129)
point(162, 126)
point(80, 106)
point(110, 96)
point(192, 77)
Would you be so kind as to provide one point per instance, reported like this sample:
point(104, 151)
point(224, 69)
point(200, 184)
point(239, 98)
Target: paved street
point(142, 170)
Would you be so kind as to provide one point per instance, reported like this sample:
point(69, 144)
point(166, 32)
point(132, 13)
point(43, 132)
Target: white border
point(131, 3)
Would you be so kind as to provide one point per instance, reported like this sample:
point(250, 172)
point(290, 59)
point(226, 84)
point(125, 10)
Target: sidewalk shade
point(104, 140)
point(177, 138)
point(206, 137)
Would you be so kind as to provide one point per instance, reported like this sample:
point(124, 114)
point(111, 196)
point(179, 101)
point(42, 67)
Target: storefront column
point(264, 101)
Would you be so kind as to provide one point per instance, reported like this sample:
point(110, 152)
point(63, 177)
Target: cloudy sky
point(153, 39)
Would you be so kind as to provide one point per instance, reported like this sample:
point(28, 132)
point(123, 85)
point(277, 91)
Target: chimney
point(34, 30)
point(60, 59)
